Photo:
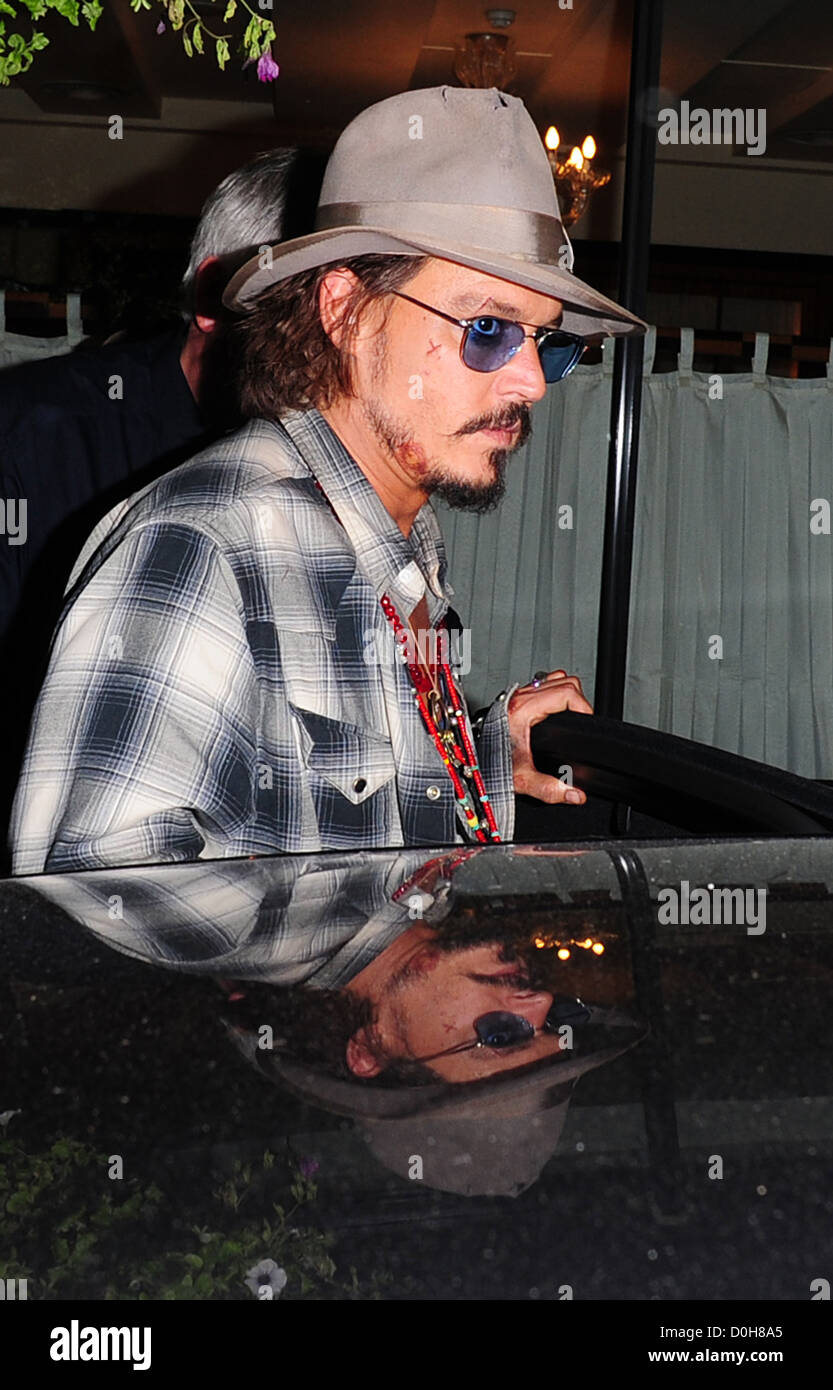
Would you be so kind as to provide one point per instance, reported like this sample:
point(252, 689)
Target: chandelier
point(575, 178)
point(488, 60)
point(485, 60)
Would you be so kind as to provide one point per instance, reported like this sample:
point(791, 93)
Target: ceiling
point(338, 56)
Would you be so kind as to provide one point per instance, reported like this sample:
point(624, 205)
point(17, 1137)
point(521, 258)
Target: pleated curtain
point(731, 624)
point(16, 348)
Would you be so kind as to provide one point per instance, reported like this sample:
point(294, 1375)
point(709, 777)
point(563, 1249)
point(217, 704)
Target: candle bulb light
point(575, 178)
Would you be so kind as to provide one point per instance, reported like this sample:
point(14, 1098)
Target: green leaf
point(39, 40)
point(230, 8)
point(223, 54)
point(198, 38)
point(68, 9)
point(186, 44)
point(7, 9)
point(92, 12)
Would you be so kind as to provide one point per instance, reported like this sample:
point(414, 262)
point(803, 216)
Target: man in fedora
point(439, 1031)
point(216, 687)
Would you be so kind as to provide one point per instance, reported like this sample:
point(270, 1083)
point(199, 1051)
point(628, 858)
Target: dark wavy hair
point(314, 1026)
point(285, 359)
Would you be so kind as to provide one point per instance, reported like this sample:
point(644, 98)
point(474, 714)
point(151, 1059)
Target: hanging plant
point(16, 50)
point(254, 43)
point(237, 26)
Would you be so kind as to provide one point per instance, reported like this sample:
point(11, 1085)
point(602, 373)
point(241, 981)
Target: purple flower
point(267, 68)
point(160, 28)
point(308, 1166)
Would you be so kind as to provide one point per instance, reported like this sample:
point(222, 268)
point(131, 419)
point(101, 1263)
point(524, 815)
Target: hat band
point(527, 236)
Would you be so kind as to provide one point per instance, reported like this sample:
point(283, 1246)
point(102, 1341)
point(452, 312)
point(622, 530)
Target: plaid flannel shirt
point(222, 681)
point(314, 919)
point(283, 921)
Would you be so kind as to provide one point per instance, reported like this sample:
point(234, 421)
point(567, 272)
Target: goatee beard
point(482, 497)
point(435, 479)
point(470, 497)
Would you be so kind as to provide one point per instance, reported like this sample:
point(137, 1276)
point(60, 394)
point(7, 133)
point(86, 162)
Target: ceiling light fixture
point(575, 178)
point(485, 60)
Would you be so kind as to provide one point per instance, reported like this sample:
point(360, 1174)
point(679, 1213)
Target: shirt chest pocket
point(356, 762)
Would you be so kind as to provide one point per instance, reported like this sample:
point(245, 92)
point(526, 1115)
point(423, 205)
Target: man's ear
point(361, 1056)
point(334, 294)
point(211, 278)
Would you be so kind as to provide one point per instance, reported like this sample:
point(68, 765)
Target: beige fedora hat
point(488, 1137)
point(456, 173)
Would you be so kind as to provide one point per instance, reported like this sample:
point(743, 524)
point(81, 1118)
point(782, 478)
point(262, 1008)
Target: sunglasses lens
point(490, 342)
point(570, 1011)
point(559, 354)
point(502, 1030)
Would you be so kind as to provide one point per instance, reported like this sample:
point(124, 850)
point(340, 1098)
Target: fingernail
point(573, 796)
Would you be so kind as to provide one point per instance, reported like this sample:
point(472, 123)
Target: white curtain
point(731, 628)
point(21, 347)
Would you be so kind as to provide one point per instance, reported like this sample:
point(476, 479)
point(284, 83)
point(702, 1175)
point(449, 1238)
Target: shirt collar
point(398, 565)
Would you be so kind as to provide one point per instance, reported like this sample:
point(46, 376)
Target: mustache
point(506, 419)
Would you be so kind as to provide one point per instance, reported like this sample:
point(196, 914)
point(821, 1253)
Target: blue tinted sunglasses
point(498, 1031)
point(489, 342)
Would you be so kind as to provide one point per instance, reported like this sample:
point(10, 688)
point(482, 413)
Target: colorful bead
point(486, 826)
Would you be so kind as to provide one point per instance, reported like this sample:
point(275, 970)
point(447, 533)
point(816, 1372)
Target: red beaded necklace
point(435, 707)
point(473, 798)
point(426, 877)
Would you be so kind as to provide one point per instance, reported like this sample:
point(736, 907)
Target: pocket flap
point(356, 761)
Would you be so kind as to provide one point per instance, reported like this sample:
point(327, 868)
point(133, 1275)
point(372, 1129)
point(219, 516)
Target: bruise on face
point(412, 457)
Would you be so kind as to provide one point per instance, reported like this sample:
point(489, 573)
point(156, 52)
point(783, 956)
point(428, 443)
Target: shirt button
point(359, 784)
point(432, 793)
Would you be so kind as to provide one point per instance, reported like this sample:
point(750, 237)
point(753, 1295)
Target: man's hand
point(529, 705)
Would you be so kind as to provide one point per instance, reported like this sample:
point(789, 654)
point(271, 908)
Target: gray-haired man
point(78, 433)
point(209, 692)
